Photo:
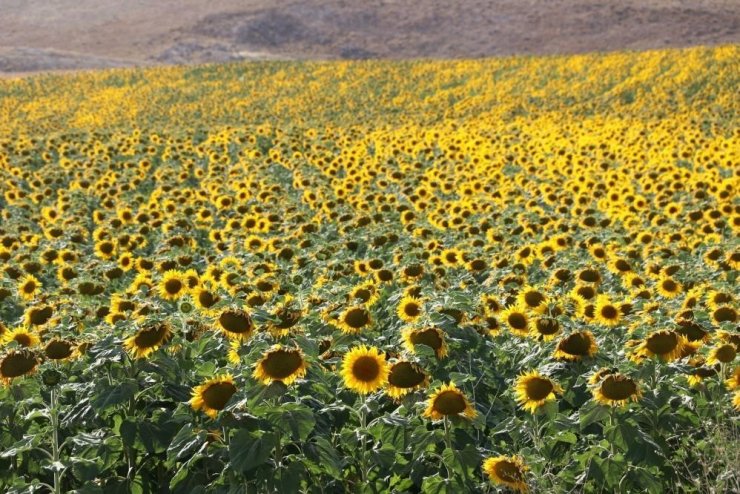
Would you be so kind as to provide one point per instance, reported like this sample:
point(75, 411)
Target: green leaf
point(596, 413)
point(248, 450)
point(109, 396)
point(321, 452)
point(294, 419)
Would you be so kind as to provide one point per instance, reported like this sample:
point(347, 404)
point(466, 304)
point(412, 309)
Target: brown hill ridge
point(41, 35)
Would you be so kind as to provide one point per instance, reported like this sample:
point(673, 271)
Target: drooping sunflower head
point(354, 319)
point(148, 339)
point(59, 349)
point(449, 401)
point(533, 390)
point(666, 344)
point(288, 315)
point(235, 324)
point(404, 377)
point(409, 309)
point(432, 337)
point(17, 363)
point(508, 471)
point(723, 314)
point(576, 346)
point(722, 354)
point(616, 390)
point(280, 364)
point(364, 369)
point(213, 395)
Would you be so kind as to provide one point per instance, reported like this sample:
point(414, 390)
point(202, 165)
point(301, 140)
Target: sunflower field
point(515, 274)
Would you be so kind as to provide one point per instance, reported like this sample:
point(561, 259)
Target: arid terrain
point(41, 35)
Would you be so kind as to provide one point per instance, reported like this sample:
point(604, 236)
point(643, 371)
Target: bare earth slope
point(40, 35)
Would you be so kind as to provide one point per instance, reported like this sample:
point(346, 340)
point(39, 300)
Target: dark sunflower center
point(264, 286)
point(534, 299)
point(662, 343)
point(451, 257)
point(721, 298)
point(725, 314)
point(508, 471)
point(405, 375)
point(449, 403)
point(726, 353)
point(281, 363)
point(288, 318)
point(478, 265)
point(126, 306)
point(413, 271)
point(547, 326)
point(669, 285)
point(40, 316)
point(235, 322)
point(586, 292)
point(207, 299)
point(609, 312)
point(23, 339)
point(58, 349)
point(173, 287)
point(622, 265)
point(17, 364)
point(538, 388)
point(693, 332)
point(151, 336)
point(363, 294)
point(106, 248)
point(217, 395)
point(517, 321)
point(618, 388)
point(29, 287)
point(411, 309)
point(428, 337)
point(365, 369)
point(576, 344)
point(704, 372)
point(589, 276)
point(356, 318)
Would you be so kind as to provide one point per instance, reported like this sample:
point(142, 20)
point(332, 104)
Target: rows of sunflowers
point(453, 276)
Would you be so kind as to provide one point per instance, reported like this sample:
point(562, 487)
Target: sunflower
point(666, 344)
point(517, 320)
point(529, 298)
point(490, 304)
point(508, 471)
point(235, 324)
point(616, 390)
point(576, 346)
point(447, 401)
point(431, 337)
point(698, 374)
point(17, 363)
point(22, 337)
point(733, 382)
point(280, 364)
point(364, 369)
point(59, 349)
point(724, 313)
point(173, 285)
point(404, 377)
point(545, 328)
point(366, 293)
point(213, 395)
point(411, 273)
point(204, 299)
point(354, 319)
point(600, 374)
point(452, 257)
point(722, 354)
point(533, 390)
point(668, 287)
point(605, 312)
point(288, 314)
point(148, 339)
point(409, 309)
point(28, 287)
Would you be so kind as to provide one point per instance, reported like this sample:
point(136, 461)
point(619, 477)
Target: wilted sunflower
point(448, 401)
point(148, 339)
point(616, 390)
point(173, 285)
point(235, 324)
point(364, 369)
point(213, 395)
point(17, 363)
point(280, 364)
point(409, 309)
point(404, 377)
point(517, 321)
point(431, 337)
point(28, 287)
point(22, 337)
point(666, 344)
point(533, 390)
point(354, 319)
point(508, 471)
point(605, 312)
point(576, 346)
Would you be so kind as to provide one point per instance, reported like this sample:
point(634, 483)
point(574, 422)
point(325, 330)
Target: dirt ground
point(44, 35)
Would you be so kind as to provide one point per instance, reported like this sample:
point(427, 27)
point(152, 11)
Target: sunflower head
point(173, 285)
point(448, 401)
point(59, 349)
point(404, 377)
point(516, 320)
point(409, 309)
point(431, 337)
point(364, 369)
point(533, 390)
point(148, 339)
point(22, 337)
point(213, 395)
point(576, 346)
point(354, 319)
point(666, 344)
point(17, 363)
point(508, 471)
point(235, 324)
point(280, 364)
point(722, 354)
point(616, 390)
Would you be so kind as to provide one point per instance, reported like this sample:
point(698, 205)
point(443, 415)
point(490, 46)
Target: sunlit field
point(324, 277)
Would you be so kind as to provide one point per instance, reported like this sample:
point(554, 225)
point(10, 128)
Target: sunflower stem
point(54, 418)
point(363, 451)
